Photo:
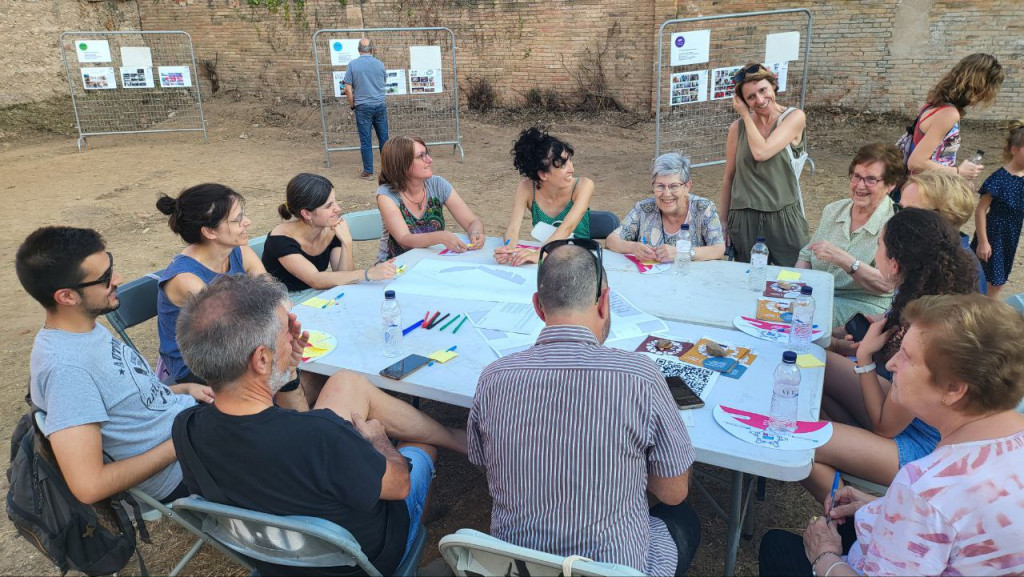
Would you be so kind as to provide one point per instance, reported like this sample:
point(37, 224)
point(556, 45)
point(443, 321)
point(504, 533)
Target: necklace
point(419, 203)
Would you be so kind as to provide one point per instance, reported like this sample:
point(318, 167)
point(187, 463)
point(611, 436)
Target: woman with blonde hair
point(974, 81)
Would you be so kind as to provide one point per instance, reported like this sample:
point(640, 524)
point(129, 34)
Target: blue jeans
point(367, 116)
point(421, 475)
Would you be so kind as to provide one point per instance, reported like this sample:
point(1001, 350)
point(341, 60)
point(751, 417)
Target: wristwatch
point(865, 369)
point(693, 254)
point(855, 266)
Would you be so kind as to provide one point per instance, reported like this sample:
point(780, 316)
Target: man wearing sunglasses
point(572, 435)
point(99, 394)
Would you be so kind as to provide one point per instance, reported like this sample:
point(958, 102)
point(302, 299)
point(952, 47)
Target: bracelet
point(818, 558)
point(366, 275)
point(834, 565)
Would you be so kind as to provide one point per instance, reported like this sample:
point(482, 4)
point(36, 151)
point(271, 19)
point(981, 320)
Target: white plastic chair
point(471, 552)
point(364, 224)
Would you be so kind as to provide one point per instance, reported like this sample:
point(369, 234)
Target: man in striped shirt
point(572, 434)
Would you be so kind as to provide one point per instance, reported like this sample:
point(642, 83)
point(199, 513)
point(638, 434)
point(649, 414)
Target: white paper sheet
point(688, 87)
point(344, 50)
point(425, 57)
point(501, 342)
point(175, 77)
point(628, 321)
point(519, 318)
point(782, 47)
point(99, 78)
point(136, 77)
point(136, 57)
point(92, 50)
point(425, 81)
point(542, 231)
point(691, 47)
point(781, 71)
point(395, 82)
point(339, 83)
point(450, 278)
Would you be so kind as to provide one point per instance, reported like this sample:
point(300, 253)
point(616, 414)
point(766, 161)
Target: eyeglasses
point(674, 188)
point(590, 244)
point(748, 70)
point(104, 279)
point(423, 155)
point(238, 219)
point(868, 181)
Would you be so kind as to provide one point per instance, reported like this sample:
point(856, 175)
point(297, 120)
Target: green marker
point(459, 326)
point(450, 322)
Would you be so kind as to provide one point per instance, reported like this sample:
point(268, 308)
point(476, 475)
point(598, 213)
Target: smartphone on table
point(857, 326)
point(682, 393)
point(405, 367)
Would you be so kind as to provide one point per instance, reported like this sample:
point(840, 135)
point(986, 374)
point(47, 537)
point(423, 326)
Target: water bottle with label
point(785, 397)
point(391, 322)
point(681, 265)
point(801, 330)
point(758, 266)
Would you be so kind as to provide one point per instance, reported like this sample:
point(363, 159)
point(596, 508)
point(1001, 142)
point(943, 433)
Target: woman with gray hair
point(651, 229)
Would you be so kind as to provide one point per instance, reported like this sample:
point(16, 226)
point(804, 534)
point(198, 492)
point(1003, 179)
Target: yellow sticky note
point(788, 275)
point(317, 302)
point(400, 269)
point(807, 361)
point(443, 356)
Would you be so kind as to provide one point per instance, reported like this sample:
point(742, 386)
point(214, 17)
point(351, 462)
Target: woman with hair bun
point(549, 190)
point(314, 250)
point(211, 219)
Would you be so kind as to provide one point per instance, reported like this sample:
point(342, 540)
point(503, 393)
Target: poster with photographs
point(689, 87)
point(175, 77)
point(99, 78)
point(781, 72)
point(136, 77)
point(722, 82)
point(394, 83)
point(426, 81)
point(339, 83)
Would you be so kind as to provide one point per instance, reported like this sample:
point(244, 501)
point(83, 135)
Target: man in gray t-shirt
point(98, 393)
point(364, 87)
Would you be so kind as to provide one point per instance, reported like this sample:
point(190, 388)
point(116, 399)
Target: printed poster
point(343, 51)
point(425, 81)
point(782, 47)
point(136, 77)
point(425, 58)
point(92, 50)
point(722, 82)
point(781, 71)
point(689, 87)
point(99, 78)
point(690, 47)
point(339, 83)
point(136, 57)
point(394, 83)
point(175, 77)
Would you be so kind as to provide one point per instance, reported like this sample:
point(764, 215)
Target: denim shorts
point(421, 475)
point(916, 441)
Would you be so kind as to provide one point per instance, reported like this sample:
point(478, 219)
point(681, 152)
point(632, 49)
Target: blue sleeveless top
point(167, 312)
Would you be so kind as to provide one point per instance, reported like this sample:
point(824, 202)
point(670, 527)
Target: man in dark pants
point(364, 88)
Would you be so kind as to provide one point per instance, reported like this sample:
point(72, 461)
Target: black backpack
point(97, 539)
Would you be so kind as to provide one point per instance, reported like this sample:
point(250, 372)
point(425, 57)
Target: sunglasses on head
point(748, 70)
point(104, 279)
point(592, 246)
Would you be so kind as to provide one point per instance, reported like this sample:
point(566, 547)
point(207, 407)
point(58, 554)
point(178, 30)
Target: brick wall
point(881, 55)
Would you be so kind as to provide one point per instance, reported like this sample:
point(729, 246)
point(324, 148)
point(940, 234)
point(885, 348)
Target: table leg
point(736, 514)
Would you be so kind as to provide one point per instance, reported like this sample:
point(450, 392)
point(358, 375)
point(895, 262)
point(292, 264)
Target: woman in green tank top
point(550, 191)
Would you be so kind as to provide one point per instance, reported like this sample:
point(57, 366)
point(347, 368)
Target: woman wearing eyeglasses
point(211, 219)
point(847, 236)
point(411, 199)
point(760, 189)
point(651, 229)
point(549, 190)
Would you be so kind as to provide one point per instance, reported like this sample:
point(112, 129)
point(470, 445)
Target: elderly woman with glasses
point(412, 199)
point(651, 229)
point(760, 189)
point(847, 236)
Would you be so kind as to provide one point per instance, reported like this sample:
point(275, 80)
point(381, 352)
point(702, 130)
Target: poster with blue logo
point(690, 47)
point(344, 50)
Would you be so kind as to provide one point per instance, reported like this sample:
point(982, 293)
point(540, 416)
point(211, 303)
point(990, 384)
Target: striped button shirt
point(568, 433)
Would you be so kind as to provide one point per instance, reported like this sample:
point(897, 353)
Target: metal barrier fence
point(132, 82)
point(422, 90)
point(694, 102)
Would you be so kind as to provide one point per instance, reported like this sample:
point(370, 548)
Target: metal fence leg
point(81, 139)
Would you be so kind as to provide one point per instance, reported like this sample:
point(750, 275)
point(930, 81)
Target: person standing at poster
point(364, 87)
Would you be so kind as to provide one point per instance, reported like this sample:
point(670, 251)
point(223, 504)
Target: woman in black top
point(315, 249)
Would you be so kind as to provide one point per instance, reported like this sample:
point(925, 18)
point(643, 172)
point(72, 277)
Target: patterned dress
point(1003, 223)
point(644, 223)
point(945, 152)
point(432, 220)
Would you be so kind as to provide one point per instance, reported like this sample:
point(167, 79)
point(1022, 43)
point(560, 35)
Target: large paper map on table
point(449, 278)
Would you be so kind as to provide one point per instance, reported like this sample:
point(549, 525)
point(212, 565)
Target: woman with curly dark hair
point(874, 436)
point(549, 190)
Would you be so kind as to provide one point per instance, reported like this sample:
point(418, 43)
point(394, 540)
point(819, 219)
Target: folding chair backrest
point(138, 304)
point(602, 223)
point(294, 541)
point(256, 244)
point(364, 224)
point(467, 551)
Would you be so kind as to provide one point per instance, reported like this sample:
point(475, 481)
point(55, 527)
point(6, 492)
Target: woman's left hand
point(739, 106)
point(873, 341)
point(665, 253)
point(821, 537)
point(523, 256)
point(830, 253)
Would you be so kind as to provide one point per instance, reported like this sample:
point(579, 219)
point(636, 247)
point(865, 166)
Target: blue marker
point(412, 327)
point(507, 240)
point(832, 499)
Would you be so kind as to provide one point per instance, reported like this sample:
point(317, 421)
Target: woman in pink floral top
point(959, 510)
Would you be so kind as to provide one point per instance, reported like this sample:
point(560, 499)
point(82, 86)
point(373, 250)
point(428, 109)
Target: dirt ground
point(255, 147)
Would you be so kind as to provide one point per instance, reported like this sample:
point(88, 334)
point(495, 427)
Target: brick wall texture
point(878, 55)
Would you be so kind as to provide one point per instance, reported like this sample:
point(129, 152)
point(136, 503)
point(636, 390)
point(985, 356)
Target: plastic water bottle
point(391, 321)
point(785, 396)
point(681, 266)
point(803, 320)
point(758, 266)
point(977, 159)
